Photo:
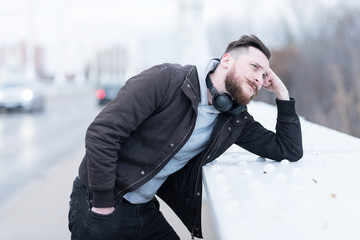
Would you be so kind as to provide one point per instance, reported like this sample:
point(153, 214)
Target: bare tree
point(322, 71)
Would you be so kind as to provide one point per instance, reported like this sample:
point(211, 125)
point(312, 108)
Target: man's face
point(247, 75)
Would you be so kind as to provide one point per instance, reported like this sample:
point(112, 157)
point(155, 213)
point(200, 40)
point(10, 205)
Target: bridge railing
point(315, 198)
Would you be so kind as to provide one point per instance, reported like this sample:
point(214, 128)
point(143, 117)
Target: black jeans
point(128, 221)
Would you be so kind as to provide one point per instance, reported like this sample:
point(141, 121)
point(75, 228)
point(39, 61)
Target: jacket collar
point(203, 70)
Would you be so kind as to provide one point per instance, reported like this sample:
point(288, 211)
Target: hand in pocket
point(100, 226)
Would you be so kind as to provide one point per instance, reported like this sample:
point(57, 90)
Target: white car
point(21, 95)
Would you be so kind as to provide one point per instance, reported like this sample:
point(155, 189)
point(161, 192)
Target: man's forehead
point(257, 55)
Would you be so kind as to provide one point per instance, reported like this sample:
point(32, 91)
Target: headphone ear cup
point(222, 102)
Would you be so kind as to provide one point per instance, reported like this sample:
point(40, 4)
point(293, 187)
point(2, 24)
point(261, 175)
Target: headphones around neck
point(223, 101)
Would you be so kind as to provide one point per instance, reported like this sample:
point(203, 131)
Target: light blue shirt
point(197, 142)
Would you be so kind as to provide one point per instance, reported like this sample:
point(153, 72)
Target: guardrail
point(315, 198)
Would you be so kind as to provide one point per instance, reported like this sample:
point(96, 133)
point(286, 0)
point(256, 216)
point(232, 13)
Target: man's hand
point(274, 84)
point(103, 211)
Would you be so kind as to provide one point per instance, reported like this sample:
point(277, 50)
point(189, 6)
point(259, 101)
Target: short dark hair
point(246, 41)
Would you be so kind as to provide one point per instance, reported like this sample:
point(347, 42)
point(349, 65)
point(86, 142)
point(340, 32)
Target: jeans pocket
point(101, 216)
point(77, 211)
point(72, 215)
point(74, 227)
point(99, 226)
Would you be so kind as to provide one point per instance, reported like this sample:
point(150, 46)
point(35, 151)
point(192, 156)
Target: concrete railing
point(315, 198)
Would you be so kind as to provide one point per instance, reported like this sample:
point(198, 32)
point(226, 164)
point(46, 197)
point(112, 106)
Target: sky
point(72, 31)
point(45, 20)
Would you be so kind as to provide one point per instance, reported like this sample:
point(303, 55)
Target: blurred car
point(21, 95)
point(106, 92)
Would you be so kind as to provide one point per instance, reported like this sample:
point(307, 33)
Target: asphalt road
point(39, 157)
point(30, 144)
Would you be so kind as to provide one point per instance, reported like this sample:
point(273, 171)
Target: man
point(163, 126)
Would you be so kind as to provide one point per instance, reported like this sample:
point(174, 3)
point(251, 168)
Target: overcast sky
point(44, 20)
point(80, 27)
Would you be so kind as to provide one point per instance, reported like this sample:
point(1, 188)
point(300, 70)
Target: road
point(30, 144)
point(39, 156)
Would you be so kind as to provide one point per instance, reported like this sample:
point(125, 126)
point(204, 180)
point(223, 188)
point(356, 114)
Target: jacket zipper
point(160, 163)
point(178, 147)
point(202, 162)
point(190, 130)
point(206, 155)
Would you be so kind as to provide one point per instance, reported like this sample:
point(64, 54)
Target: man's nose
point(259, 80)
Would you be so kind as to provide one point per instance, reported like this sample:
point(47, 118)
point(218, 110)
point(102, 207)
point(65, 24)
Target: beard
point(234, 85)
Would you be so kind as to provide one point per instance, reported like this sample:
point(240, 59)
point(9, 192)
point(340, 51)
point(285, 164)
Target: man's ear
point(226, 60)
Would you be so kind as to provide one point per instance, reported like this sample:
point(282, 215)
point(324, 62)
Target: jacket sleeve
point(135, 102)
point(286, 143)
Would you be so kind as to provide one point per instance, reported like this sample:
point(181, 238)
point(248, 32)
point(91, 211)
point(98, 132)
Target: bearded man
point(166, 123)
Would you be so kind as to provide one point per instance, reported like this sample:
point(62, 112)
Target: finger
point(267, 82)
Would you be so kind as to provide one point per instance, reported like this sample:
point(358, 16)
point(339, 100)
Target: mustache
point(252, 84)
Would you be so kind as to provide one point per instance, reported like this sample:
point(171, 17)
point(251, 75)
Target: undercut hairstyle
point(234, 48)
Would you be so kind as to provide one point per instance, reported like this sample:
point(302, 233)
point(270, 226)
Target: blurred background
point(84, 43)
point(61, 59)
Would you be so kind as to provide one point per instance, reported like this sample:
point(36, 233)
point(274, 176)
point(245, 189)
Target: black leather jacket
point(149, 121)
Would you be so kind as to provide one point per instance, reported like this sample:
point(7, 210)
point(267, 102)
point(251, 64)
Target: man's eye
point(254, 66)
point(264, 76)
